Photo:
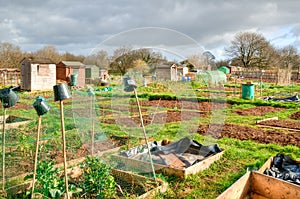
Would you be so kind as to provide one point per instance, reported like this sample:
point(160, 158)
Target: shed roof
point(39, 60)
point(91, 66)
point(72, 63)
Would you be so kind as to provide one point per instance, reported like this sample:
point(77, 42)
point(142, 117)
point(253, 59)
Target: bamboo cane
point(144, 131)
point(3, 150)
point(64, 146)
point(36, 154)
point(93, 125)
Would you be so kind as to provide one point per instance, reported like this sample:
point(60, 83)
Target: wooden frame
point(142, 166)
point(259, 186)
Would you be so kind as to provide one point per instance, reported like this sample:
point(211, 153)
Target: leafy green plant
point(96, 179)
point(49, 182)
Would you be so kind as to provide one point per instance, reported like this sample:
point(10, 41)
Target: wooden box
point(131, 179)
point(141, 166)
point(256, 185)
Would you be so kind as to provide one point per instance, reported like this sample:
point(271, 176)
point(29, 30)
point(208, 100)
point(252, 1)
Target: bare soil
point(282, 124)
point(249, 133)
point(258, 111)
point(295, 116)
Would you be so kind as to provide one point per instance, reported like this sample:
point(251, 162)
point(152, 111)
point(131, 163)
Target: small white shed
point(37, 74)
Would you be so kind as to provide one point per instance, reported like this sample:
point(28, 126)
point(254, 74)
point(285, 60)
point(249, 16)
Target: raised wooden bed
point(180, 172)
point(151, 187)
point(256, 185)
point(148, 187)
point(14, 121)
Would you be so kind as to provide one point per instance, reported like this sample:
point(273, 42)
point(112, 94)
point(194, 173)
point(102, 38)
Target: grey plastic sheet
point(286, 99)
point(285, 168)
point(187, 150)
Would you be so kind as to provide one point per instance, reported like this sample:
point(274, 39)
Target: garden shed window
point(43, 70)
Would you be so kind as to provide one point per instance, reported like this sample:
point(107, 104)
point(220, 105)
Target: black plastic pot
point(41, 107)
point(8, 97)
point(129, 84)
point(61, 92)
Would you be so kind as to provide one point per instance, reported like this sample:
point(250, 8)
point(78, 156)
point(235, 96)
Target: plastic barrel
point(248, 91)
point(74, 80)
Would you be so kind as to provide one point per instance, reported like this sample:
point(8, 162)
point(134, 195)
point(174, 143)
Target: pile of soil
point(282, 124)
point(258, 111)
point(295, 116)
point(248, 133)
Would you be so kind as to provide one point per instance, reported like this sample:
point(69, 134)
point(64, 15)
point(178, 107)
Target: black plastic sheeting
point(287, 99)
point(187, 150)
point(284, 168)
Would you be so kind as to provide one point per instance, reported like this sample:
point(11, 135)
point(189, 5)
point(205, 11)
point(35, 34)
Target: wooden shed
point(37, 74)
point(167, 72)
point(91, 73)
point(65, 69)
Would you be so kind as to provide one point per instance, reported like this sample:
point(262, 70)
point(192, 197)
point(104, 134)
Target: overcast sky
point(80, 26)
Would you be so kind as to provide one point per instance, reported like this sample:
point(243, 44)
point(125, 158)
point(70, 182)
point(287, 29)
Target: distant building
point(91, 74)
point(65, 70)
point(37, 74)
point(10, 77)
point(182, 70)
point(167, 72)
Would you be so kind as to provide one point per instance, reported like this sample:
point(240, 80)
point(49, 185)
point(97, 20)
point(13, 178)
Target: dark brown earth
point(282, 124)
point(158, 118)
point(249, 133)
point(295, 116)
point(258, 111)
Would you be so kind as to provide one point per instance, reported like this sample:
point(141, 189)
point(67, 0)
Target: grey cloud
point(85, 24)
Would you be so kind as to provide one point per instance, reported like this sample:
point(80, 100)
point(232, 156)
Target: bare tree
point(99, 59)
point(122, 60)
point(49, 52)
point(125, 58)
point(10, 55)
point(197, 61)
point(222, 63)
point(249, 50)
point(71, 57)
point(288, 57)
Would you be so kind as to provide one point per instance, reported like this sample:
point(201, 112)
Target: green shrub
point(96, 179)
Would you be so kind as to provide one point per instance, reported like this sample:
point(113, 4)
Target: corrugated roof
point(72, 63)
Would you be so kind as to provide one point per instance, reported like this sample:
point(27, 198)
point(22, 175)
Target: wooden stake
point(93, 125)
point(144, 131)
point(36, 154)
point(64, 146)
point(3, 150)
